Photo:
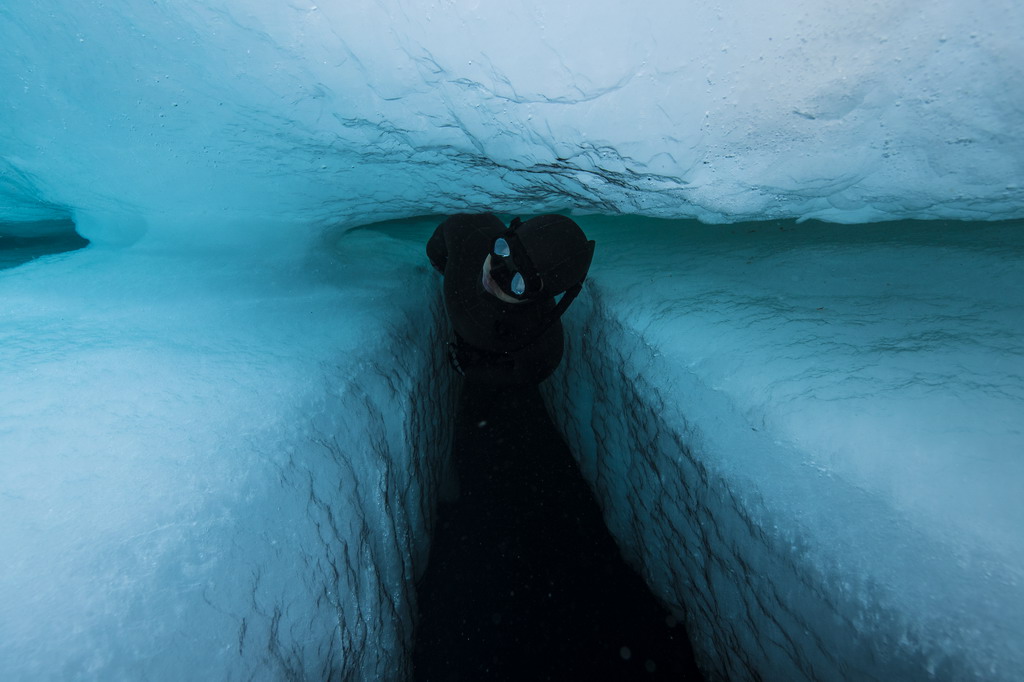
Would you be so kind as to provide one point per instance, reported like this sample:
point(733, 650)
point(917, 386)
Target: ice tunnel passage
point(524, 581)
point(213, 458)
point(802, 436)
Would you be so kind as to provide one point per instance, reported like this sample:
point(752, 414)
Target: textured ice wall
point(206, 126)
point(214, 468)
point(128, 115)
point(808, 440)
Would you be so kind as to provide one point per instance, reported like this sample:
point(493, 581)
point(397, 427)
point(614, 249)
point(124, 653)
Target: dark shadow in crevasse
point(524, 580)
point(22, 242)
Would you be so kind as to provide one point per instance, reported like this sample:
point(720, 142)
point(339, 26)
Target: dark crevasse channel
point(524, 581)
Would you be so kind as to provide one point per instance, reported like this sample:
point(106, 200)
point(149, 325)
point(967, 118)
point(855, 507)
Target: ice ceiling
point(192, 117)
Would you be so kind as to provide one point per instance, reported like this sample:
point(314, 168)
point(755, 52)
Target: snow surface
point(808, 438)
point(216, 464)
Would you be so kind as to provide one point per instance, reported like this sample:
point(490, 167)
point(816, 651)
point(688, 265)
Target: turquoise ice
point(223, 423)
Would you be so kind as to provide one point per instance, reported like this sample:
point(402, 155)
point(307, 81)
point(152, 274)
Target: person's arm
point(437, 249)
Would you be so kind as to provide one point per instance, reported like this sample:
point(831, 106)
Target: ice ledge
point(210, 466)
point(786, 496)
point(236, 110)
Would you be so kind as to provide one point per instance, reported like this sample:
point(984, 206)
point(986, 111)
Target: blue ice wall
point(211, 467)
point(807, 439)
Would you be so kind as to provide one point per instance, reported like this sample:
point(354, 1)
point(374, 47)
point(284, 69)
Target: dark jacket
point(499, 343)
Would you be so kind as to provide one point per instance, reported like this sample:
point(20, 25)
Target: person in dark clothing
point(500, 289)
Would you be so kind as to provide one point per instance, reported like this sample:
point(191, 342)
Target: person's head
point(538, 259)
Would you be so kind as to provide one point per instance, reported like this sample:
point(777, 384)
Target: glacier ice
point(807, 438)
point(209, 465)
point(166, 393)
point(314, 113)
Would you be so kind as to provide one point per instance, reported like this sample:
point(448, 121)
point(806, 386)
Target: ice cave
point(794, 380)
